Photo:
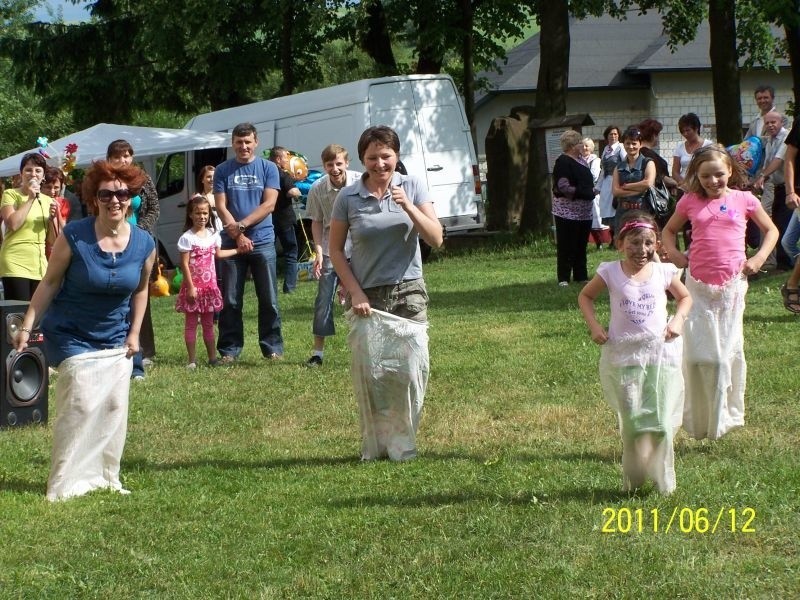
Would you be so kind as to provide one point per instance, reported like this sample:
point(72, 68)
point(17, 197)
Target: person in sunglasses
point(89, 306)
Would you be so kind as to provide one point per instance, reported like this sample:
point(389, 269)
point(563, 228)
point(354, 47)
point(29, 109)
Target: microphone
point(35, 180)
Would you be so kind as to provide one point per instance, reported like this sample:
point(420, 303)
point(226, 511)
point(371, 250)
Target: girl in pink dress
point(640, 360)
point(714, 367)
point(199, 297)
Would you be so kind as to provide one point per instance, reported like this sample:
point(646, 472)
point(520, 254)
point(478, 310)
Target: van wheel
point(424, 250)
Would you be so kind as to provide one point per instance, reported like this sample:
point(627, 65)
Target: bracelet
point(25, 329)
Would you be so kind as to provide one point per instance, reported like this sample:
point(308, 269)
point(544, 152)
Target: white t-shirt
point(686, 157)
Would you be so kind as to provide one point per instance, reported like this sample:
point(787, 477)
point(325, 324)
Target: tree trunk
point(287, 64)
point(467, 54)
point(376, 42)
point(725, 71)
point(793, 42)
point(551, 101)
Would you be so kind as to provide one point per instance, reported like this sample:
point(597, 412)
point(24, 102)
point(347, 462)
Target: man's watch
point(241, 227)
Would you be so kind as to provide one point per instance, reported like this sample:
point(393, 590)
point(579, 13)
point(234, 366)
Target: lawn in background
point(246, 481)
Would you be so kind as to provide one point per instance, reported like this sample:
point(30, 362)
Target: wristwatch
point(241, 227)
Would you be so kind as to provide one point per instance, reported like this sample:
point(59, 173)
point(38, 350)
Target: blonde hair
point(705, 154)
point(569, 139)
point(589, 143)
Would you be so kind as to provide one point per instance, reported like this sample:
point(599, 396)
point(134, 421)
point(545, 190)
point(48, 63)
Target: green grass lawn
point(246, 481)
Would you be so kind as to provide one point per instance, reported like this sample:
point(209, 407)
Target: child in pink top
point(713, 361)
point(640, 362)
point(199, 297)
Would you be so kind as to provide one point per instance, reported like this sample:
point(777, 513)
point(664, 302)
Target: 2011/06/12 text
point(682, 519)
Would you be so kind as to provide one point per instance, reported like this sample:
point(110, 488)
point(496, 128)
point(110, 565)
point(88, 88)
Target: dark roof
point(606, 53)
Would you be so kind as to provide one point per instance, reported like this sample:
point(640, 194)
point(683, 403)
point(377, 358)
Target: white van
point(425, 110)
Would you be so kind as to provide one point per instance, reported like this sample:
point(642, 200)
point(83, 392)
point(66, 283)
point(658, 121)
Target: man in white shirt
point(765, 100)
point(770, 180)
point(319, 207)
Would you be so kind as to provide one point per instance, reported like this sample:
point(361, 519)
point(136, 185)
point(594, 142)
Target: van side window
point(172, 175)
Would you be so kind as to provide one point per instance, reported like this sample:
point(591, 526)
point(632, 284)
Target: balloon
point(298, 168)
point(306, 183)
point(159, 287)
point(748, 154)
point(177, 279)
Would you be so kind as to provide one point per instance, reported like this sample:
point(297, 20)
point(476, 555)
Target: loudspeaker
point(23, 381)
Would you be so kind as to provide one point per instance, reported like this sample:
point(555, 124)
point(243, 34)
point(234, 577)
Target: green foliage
point(246, 481)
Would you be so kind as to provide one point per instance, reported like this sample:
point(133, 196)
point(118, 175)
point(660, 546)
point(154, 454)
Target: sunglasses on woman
point(105, 196)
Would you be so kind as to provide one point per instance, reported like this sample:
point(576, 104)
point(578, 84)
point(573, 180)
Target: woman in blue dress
point(90, 305)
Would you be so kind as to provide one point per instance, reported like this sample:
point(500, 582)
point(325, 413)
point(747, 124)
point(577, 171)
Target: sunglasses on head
point(105, 196)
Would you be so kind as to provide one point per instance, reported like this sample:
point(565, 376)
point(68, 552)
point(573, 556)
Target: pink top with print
point(637, 306)
point(717, 253)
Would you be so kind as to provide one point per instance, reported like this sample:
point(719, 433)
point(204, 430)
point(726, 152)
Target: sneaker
point(138, 378)
point(314, 361)
point(146, 362)
point(228, 359)
point(274, 356)
point(563, 283)
point(191, 366)
point(213, 363)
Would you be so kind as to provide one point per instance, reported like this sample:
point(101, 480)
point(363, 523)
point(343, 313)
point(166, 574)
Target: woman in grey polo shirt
point(385, 213)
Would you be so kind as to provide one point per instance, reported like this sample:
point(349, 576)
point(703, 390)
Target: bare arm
point(191, 291)
point(138, 305)
point(14, 218)
point(317, 231)
point(637, 187)
point(769, 237)
point(338, 237)
point(789, 176)
point(669, 237)
point(586, 298)
point(676, 170)
point(683, 305)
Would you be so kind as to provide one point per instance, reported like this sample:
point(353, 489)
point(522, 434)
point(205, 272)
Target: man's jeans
point(792, 236)
point(261, 262)
point(323, 305)
point(285, 232)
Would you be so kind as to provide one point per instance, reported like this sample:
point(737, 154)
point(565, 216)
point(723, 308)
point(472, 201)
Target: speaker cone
point(26, 376)
point(13, 325)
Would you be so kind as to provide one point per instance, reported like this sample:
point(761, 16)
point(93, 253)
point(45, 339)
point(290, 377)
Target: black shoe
point(314, 361)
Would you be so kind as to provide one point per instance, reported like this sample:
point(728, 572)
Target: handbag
point(656, 201)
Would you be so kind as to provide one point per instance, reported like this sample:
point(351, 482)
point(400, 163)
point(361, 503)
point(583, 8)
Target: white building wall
point(670, 96)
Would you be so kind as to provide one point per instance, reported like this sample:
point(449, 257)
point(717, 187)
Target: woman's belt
point(629, 205)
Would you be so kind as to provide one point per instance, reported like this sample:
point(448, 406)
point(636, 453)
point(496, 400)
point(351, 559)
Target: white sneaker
point(563, 283)
point(191, 366)
point(146, 362)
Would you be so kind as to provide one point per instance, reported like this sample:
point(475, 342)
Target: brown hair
point(198, 200)
point(119, 148)
point(382, 135)
point(650, 129)
point(331, 151)
point(202, 174)
point(102, 170)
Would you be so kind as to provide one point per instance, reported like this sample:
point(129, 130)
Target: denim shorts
point(408, 299)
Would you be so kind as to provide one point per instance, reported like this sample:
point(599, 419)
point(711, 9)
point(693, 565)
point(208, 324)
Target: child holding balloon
point(713, 360)
point(199, 297)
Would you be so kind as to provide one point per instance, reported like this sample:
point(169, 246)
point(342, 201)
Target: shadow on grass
point(515, 297)
point(21, 486)
point(589, 496)
point(219, 463)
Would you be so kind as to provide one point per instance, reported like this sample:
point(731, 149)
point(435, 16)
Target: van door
point(177, 181)
point(437, 137)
